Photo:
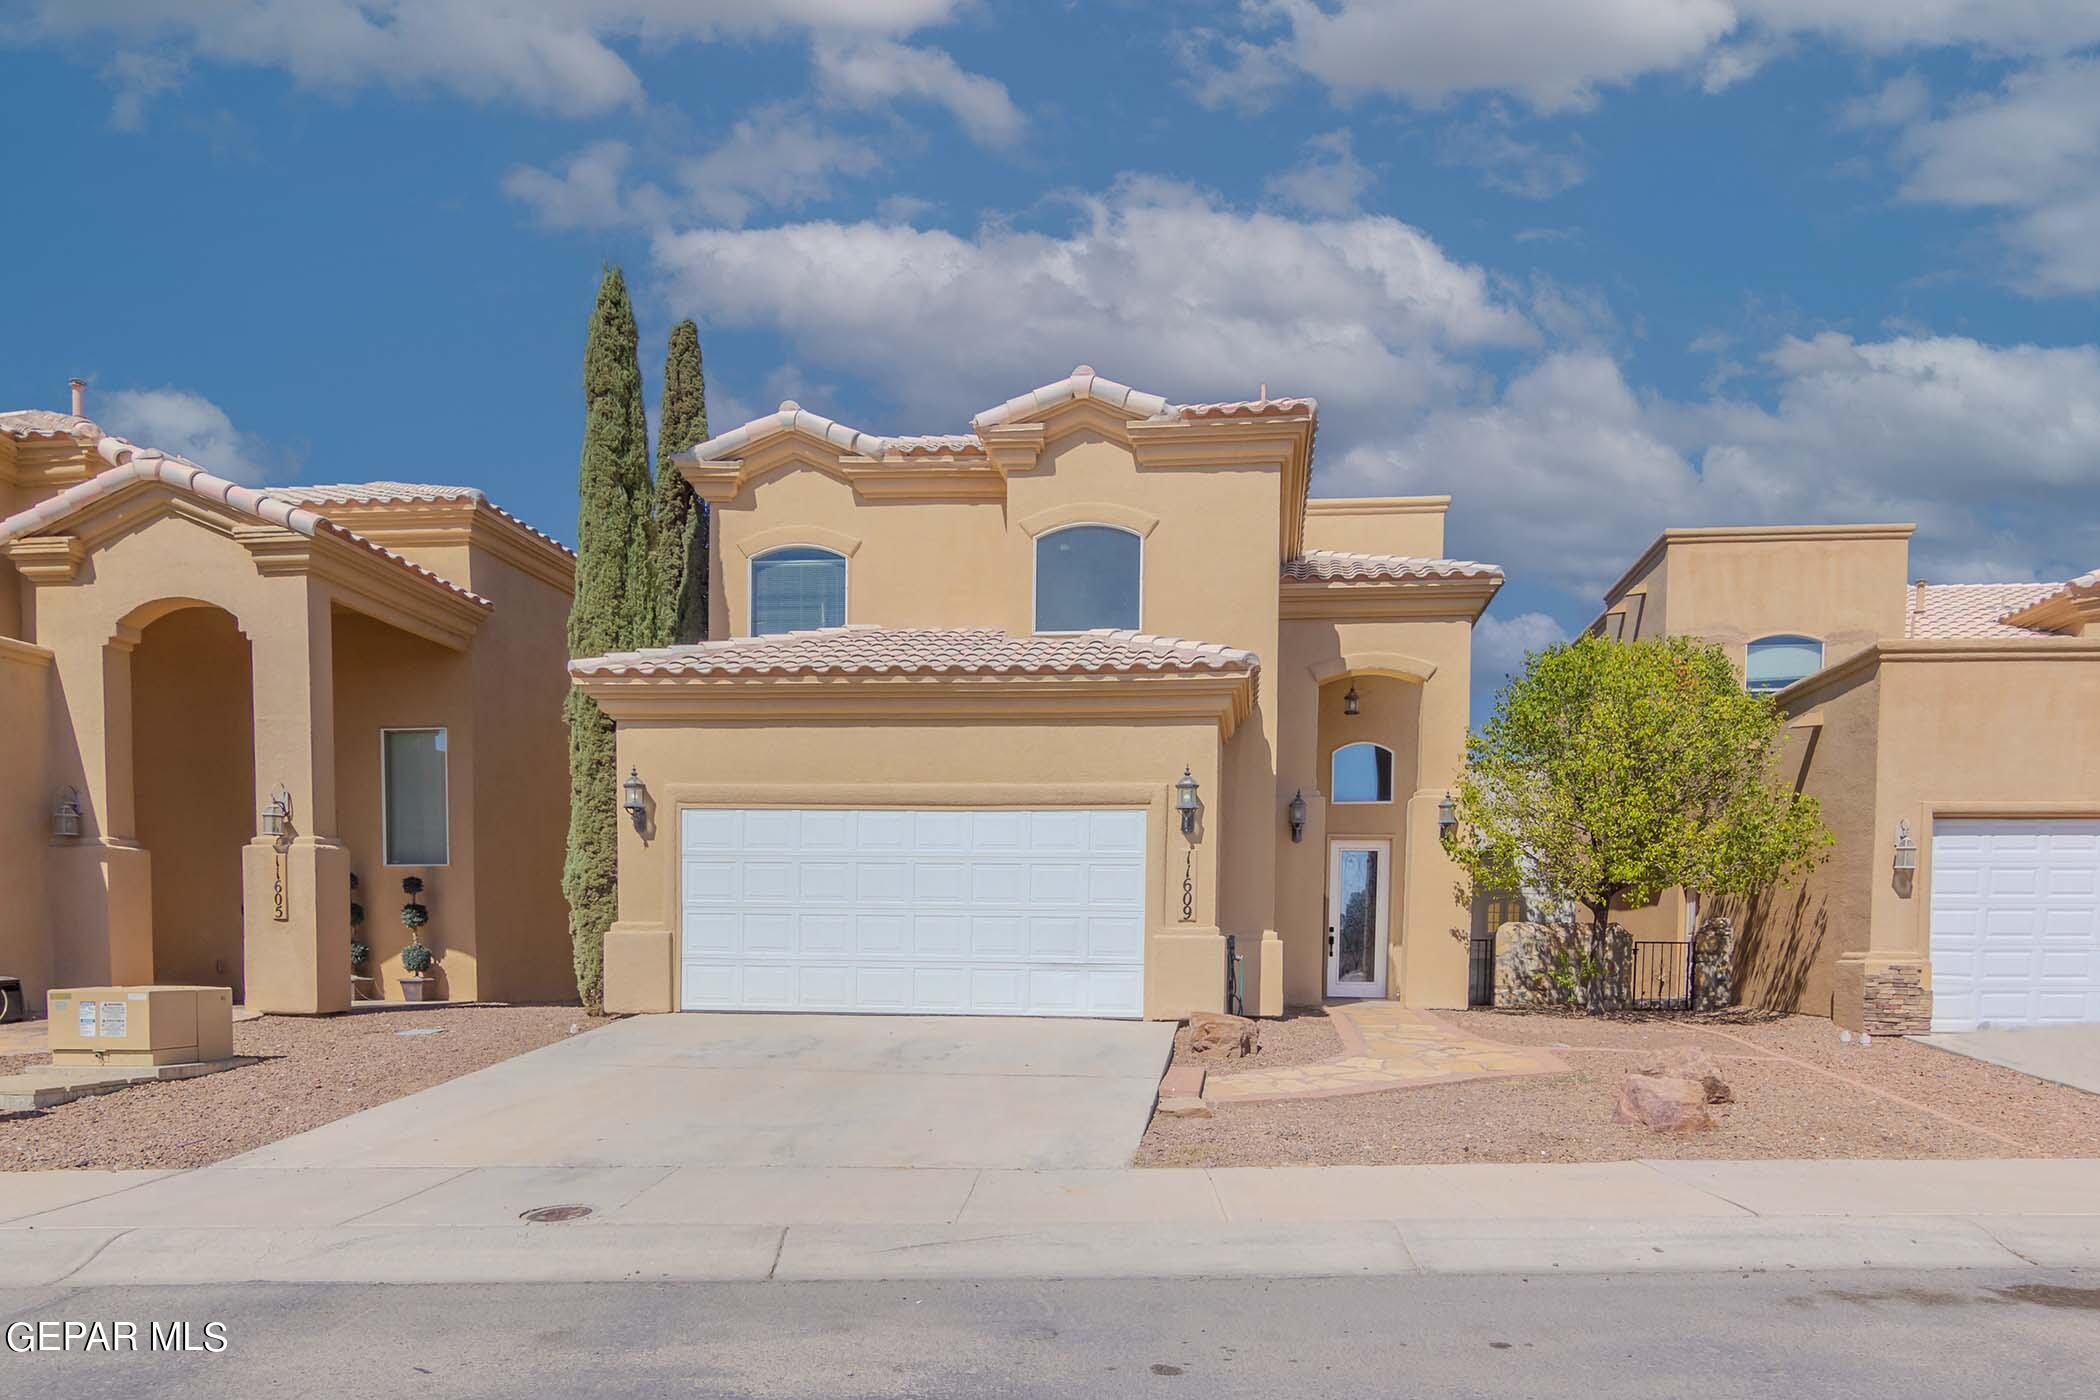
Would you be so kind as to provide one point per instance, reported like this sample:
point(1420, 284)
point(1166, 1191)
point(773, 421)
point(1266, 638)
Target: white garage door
point(2015, 923)
point(961, 911)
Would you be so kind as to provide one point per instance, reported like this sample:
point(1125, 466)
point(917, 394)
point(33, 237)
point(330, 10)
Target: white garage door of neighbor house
point(963, 911)
point(2015, 923)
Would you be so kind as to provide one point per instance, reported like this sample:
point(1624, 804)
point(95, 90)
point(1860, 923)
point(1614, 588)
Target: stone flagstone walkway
point(1384, 1046)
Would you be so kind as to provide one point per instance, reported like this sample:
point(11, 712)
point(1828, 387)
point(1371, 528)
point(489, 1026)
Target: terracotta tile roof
point(2085, 584)
point(1950, 611)
point(1331, 564)
point(130, 463)
point(1081, 383)
point(386, 493)
point(979, 651)
point(38, 422)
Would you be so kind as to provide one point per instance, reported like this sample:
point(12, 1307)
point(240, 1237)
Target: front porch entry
point(1359, 901)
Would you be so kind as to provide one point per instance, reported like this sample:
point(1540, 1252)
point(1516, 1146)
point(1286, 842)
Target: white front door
point(958, 911)
point(1359, 890)
point(2015, 923)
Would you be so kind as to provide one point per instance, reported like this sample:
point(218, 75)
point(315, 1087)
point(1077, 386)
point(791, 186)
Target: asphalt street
point(1861, 1336)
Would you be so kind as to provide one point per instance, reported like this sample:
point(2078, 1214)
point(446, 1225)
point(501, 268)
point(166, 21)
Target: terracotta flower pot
point(418, 988)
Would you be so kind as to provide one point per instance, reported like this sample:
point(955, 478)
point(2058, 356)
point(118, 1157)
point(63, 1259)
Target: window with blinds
point(797, 588)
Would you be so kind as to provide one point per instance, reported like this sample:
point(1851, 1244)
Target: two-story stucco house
point(1952, 735)
point(218, 703)
point(1042, 719)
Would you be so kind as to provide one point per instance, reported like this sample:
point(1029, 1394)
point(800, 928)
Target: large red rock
point(1664, 1104)
point(1691, 1062)
point(1210, 1031)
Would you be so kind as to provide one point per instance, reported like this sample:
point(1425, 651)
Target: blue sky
point(1594, 267)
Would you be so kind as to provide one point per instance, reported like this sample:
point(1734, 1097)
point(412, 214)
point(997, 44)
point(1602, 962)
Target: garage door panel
point(965, 911)
point(2015, 922)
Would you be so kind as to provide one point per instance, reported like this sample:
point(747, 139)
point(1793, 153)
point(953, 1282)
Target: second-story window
point(1362, 772)
point(1088, 576)
point(797, 587)
point(1774, 663)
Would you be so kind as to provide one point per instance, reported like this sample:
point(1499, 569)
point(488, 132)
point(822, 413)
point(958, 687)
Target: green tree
point(681, 517)
point(1610, 772)
point(613, 610)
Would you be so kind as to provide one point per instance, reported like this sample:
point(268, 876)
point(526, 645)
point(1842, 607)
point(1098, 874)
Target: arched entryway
point(193, 776)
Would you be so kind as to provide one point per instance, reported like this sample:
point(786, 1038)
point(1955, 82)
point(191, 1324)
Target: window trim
point(1783, 639)
point(752, 562)
point(1334, 800)
point(1035, 575)
point(386, 845)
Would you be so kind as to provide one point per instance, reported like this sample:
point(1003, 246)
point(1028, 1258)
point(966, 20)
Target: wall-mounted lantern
point(1906, 848)
point(1185, 802)
point(1351, 704)
point(1297, 813)
point(277, 812)
point(634, 800)
point(65, 813)
point(1446, 818)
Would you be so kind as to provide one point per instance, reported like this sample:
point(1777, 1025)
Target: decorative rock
point(1235, 1035)
point(1183, 1108)
point(1665, 1105)
point(1690, 1062)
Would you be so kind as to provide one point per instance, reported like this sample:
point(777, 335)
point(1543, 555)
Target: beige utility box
point(140, 1025)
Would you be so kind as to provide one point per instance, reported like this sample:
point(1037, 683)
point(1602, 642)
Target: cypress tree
point(681, 517)
point(607, 614)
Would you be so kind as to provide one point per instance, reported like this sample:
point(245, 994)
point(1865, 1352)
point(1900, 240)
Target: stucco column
point(101, 882)
point(295, 887)
point(1432, 942)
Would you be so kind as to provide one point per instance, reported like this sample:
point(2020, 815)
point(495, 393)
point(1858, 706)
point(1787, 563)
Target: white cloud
point(2031, 149)
point(1507, 163)
point(1897, 102)
point(1329, 179)
point(139, 78)
point(1157, 284)
point(871, 72)
point(176, 420)
point(775, 159)
point(1500, 644)
point(553, 54)
point(1556, 54)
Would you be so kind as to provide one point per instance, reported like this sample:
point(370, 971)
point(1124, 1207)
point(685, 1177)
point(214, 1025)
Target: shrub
point(416, 958)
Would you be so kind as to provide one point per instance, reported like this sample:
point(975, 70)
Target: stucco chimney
point(79, 388)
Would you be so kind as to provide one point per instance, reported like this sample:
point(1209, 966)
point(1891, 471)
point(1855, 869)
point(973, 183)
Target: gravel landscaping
point(314, 1070)
point(1299, 1037)
point(1800, 1092)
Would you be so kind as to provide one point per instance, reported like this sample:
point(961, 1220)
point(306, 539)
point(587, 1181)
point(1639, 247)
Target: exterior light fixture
point(1447, 818)
point(1906, 848)
point(634, 799)
point(1297, 813)
point(277, 812)
point(65, 814)
point(1185, 802)
point(1350, 703)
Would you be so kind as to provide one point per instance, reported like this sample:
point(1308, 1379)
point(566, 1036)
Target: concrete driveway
point(722, 1090)
point(2067, 1054)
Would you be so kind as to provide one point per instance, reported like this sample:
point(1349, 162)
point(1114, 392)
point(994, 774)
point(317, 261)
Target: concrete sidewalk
point(230, 1224)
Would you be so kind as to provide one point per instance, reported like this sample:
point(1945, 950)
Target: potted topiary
point(416, 958)
point(361, 984)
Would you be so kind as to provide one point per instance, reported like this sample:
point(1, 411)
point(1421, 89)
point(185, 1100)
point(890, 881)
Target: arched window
point(1774, 663)
point(796, 587)
point(1088, 576)
point(1362, 773)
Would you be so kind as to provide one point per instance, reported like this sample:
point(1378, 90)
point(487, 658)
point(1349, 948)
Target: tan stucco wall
point(1410, 525)
point(26, 799)
point(913, 764)
point(385, 679)
point(1846, 588)
point(193, 774)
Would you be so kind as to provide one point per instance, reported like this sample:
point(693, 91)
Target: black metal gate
point(1480, 973)
point(1661, 977)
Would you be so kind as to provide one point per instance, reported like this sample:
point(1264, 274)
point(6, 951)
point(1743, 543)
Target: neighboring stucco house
point(1951, 733)
point(935, 761)
point(178, 652)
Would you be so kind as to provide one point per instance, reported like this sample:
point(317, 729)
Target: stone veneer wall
point(1713, 966)
point(1526, 953)
point(1897, 1001)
